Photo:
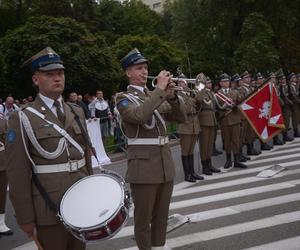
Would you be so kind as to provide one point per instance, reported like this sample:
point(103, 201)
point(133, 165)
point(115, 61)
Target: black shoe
point(237, 163)
point(211, 167)
point(187, 175)
point(7, 233)
point(192, 170)
point(296, 134)
point(189, 178)
point(265, 146)
point(251, 150)
point(246, 157)
point(197, 176)
point(242, 158)
point(205, 169)
point(228, 163)
point(286, 137)
point(277, 141)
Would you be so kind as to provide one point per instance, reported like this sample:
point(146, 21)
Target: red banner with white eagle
point(263, 111)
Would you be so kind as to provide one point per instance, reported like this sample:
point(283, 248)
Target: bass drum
point(95, 207)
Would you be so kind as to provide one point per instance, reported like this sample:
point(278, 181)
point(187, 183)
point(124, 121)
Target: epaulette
point(73, 104)
point(24, 106)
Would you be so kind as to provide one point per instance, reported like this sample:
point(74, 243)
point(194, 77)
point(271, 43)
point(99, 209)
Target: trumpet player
point(151, 169)
point(188, 132)
point(230, 120)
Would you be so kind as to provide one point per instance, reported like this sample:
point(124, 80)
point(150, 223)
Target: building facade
point(156, 5)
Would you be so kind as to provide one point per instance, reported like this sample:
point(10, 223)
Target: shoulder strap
point(84, 132)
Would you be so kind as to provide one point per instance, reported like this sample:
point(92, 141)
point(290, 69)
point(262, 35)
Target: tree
point(89, 62)
point(115, 19)
point(256, 51)
point(208, 29)
point(161, 54)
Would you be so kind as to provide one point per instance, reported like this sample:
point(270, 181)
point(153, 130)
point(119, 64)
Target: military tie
point(60, 115)
point(146, 91)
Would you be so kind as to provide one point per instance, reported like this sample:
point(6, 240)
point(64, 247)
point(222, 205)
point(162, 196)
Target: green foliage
point(256, 52)
point(89, 62)
point(214, 35)
point(211, 29)
point(130, 18)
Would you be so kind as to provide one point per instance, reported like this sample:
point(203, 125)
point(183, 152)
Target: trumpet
point(198, 85)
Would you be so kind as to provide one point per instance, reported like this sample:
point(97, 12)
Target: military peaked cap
point(291, 75)
point(224, 77)
point(259, 76)
point(134, 57)
point(235, 78)
point(45, 60)
point(244, 74)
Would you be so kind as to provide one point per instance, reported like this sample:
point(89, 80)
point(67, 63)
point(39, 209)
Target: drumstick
point(36, 241)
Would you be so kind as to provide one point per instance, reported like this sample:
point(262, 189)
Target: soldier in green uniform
point(188, 133)
point(250, 133)
point(272, 77)
point(259, 81)
point(208, 124)
point(150, 166)
point(4, 230)
point(294, 93)
point(230, 120)
point(243, 92)
point(287, 104)
point(50, 145)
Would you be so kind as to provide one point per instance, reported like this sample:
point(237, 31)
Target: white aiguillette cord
point(62, 145)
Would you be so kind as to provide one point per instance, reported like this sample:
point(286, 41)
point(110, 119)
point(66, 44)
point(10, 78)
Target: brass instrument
point(198, 85)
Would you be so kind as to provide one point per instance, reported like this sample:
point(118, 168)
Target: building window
point(156, 5)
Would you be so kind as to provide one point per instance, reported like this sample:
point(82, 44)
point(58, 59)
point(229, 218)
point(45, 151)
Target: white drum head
point(91, 201)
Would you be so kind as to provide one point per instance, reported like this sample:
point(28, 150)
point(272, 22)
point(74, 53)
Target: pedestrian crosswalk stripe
point(284, 157)
point(286, 149)
point(235, 229)
point(226, 211)
point(246, 171)
point(233, 194)
point(232, 183)
point(235, 209)
point(286, 244)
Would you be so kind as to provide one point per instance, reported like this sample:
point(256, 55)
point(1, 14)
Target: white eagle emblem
point(265, 110)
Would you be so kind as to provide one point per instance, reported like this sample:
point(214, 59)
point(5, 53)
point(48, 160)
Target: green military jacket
point(191, 126)
point(3, 128)
point(27, 201)
point(149, 164)
point(207, 115)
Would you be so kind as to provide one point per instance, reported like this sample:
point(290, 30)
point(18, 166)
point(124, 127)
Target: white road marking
point(232, 183)
point(286, 244)
point(235, 209)
point(231, 230)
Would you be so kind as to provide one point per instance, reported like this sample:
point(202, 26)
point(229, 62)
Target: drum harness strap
point(24, 121)
point(161, 140)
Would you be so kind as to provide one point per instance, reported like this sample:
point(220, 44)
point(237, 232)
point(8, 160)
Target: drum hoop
point(80, 236)
point(98, 225)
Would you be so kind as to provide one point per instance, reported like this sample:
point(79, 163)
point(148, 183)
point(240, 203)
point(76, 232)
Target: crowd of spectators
point(94, 106)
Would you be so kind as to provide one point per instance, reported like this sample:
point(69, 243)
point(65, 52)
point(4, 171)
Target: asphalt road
point(231, 210)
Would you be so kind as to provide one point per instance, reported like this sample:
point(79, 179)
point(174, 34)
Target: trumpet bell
point(199, 86)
